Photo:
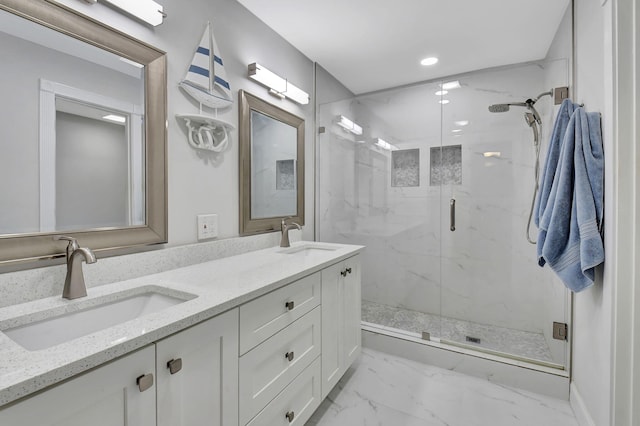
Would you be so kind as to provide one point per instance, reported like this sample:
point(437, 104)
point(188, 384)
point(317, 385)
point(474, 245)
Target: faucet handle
point(71, 246)
point(283, 223)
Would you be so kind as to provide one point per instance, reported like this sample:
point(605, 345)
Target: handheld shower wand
point(533, 120)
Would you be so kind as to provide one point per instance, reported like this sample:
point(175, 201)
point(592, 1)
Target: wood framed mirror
point(271, 166)
point(67, 74)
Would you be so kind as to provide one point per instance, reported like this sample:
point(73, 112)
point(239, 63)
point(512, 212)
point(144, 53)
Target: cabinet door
point(332, 320)
point(341, 334)
point(106, 396)
point(203, 389)
point(352, 316)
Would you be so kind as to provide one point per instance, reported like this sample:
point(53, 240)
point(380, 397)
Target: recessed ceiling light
point(461, 123)
point(441, 92)
point(444, 101)
point(451, 85)
point(432, 60)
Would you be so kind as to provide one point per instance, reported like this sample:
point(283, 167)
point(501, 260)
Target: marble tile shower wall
point(485, 271)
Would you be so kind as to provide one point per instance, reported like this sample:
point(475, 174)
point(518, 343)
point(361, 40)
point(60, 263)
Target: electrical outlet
point(207, 226)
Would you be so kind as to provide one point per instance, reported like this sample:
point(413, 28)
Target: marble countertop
point(219, 285)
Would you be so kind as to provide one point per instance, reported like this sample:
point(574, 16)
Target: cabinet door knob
point(348, 270)
point(289, 305)
point(144, 382)
point(289, 356)
point(174, 365)
point(343, 273)
point(290, 415)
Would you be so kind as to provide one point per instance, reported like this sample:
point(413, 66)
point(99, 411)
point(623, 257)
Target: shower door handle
point(452, 214)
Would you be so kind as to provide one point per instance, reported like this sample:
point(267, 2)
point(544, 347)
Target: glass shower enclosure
point(439, 190)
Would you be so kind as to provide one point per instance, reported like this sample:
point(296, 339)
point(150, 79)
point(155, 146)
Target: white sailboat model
point(206, 82)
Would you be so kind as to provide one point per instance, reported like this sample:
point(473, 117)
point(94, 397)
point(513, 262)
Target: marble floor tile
point(516, 342)
point(381, 389)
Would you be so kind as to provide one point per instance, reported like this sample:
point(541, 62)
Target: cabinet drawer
point(265, 316)
point(265, 371)
point(298, 400)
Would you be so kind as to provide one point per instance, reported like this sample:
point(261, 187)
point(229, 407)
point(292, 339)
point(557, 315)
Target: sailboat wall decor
point(206, 80)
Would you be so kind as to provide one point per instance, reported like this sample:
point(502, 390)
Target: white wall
point(591, 365)
point(202, 182)
point(92, 173)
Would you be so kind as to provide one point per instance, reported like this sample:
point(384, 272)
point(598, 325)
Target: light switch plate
point(207, 226)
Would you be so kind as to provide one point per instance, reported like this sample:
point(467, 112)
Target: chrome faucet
point(284, 242)
point(74, 285)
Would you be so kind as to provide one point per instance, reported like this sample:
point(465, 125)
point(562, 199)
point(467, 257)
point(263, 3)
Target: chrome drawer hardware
point(144, 382)
point(174, 365)
point(348, 270)
point(289, 356)
point(290, 415)
point(343, 273)
point(289, 305)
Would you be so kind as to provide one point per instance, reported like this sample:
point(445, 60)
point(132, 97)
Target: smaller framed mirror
point(271, 166)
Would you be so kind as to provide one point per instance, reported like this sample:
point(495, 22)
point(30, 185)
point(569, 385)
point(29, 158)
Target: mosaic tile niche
point(446, 165)
point(285, 175)
point(405, 168)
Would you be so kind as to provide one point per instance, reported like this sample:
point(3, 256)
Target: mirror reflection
point(272, 166)
point(72, 133)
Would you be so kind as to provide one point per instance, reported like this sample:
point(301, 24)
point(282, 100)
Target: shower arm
point(549, 93)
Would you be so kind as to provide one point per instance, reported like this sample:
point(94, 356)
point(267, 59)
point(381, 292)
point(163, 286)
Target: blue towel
point(570, 222)
point(551, 163)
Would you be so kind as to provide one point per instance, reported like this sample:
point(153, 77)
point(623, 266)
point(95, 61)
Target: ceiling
point(371, 45)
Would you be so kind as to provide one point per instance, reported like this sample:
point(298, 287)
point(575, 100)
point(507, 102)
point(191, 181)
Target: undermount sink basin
point(103, 313)
point(307, 249)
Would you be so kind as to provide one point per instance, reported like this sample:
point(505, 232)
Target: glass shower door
point(374, 190)
point(495, 297)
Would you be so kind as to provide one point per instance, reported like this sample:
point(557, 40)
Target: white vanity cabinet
point(280, 339)
point(268, 361)
point(187, 379)
point(106, 396)
point(341, 335)
point(197, 372)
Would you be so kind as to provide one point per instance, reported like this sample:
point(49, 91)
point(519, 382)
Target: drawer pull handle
point(289, 356)
point(289, 305)
point(348, 270)
point(144, 382)
point(174, 365)
point(343, 273)
point(290, 415)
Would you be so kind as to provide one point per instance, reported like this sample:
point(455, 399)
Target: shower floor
point(515, 342)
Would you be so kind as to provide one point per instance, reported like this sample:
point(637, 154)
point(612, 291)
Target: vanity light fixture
point(385, 145)
point(146, 10)
point(116, 118)
point(278, 86)
point(451, 85)
point(349, 125)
